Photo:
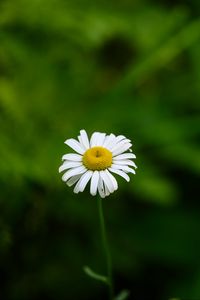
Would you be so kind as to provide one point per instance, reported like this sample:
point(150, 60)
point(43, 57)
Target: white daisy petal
point(81, 142)
point(72, 157)
point(75, 145)
point(112, 144)
point(105, 140)
point(77, 186)
point(112, 178)
point(69, 164)
point(84, 138)
point(120, 149)
point(73, 180)
point(129, 170)
point(101, 188)
point(120, 173)
point(118, 143)
point(73, 172)
point(94, 138)
point(94, 183)
point(120, 138)
point(81, 184)
point(125, 156)
point(109, 140)
point(124, 162)
point(123, 168)
point(85, 179)
point(101, 139)
point(107, 181)
point(107, 193)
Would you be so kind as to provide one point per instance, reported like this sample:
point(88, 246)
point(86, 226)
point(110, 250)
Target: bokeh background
point(122, 66)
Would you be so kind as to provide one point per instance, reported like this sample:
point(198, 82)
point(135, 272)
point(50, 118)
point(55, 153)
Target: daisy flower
point(95, 160)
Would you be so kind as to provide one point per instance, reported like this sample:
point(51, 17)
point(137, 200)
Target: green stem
point(106, 248)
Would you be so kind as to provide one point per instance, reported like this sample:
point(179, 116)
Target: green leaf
point(123, 295)
point(88, 271)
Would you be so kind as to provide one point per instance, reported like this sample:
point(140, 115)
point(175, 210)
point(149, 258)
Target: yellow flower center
point(97, 159)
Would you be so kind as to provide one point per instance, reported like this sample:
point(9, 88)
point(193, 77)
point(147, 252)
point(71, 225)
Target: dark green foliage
point(127, 67)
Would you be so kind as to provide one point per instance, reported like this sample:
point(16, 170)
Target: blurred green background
point(128, 67)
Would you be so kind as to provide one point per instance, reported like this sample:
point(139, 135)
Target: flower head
point(95, 160)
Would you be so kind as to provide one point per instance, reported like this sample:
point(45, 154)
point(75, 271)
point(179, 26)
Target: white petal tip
point(66, 142)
